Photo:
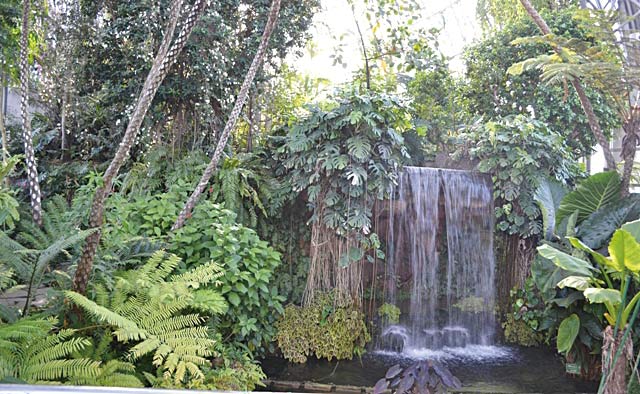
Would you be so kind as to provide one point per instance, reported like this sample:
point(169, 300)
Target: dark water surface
point(488, 369)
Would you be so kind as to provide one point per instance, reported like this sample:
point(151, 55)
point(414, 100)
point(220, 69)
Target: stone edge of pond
point(313, 387)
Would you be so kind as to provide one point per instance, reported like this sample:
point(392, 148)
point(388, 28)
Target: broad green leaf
point(566, 261)
point(596, 229)
point(548, 196)
point(625, 251)
point(575, 282)
point(591, 194)
point(355, 254)
point(601, 296)
point(233, 299)
point(567, 333)
point(632, 228)
point(600, 259)
point(546, 276)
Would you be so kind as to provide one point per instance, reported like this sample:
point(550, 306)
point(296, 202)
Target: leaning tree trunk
point(584, 100)
point(30, 158)
point(233, 118)
point(615, 382)
point(629, 143)
point(165, 58)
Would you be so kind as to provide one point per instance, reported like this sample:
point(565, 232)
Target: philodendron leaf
point(567, 333)
point(625, 250)
point(632, 228)
point(575, 282)
point(601, 296)
point(566, 261)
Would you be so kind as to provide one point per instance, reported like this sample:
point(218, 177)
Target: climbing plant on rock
point(344, 155)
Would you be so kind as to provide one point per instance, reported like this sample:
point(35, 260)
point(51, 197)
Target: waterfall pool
point(485, 369)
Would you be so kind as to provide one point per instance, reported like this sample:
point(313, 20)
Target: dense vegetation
point(281, 252)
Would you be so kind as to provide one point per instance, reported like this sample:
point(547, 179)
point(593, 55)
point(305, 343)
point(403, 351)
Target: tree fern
point(148, 310)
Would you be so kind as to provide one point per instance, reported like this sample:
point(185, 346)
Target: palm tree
point(162, 63)
point(233, 118)
point(30, 158)
point(584, 100)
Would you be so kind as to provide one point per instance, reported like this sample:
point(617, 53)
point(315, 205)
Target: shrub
point(323, 330)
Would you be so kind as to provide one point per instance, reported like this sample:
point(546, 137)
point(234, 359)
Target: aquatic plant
point(425, 376)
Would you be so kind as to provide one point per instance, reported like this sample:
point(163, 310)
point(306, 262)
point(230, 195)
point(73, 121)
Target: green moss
point(389, 313)
point(322, 330)
point(472, 304)
point(519, 332)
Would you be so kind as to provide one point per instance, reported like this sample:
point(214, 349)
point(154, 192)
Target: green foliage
point(493, 93)
point(234, 371)
point(389, 313)
point(321, 330)
point(518, 152)
point(35, 251)
point(471, 304)
point(435, 100)
point(195, 97)
point(567, 333)
point(31, 353)
point(522, 323)
point(590, 195)
point(604, 284)
point(498, 13)
point(151, 311)
point(345, 156)
point(548, 195)
point(248, 263)
point(9, 214)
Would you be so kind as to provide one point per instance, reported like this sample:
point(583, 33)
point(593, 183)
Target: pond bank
point(516, 370)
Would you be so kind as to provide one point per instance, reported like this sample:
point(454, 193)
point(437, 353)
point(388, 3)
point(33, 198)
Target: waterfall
point(438, 212)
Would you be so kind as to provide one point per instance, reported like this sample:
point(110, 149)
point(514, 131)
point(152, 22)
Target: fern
point(9, 214)
point(146, 309)
point(30, 352)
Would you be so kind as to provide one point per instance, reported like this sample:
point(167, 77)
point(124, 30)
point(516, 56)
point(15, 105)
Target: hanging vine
point(344, 155)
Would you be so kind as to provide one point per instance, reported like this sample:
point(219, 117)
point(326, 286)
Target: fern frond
point(58, 369)
point(105, 315)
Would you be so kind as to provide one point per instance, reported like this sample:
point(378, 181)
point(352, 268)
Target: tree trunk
point(629, 143)
point(584, 100)
point(30, 158)
point(165, 58)
point(233, 118)
point(615, 382)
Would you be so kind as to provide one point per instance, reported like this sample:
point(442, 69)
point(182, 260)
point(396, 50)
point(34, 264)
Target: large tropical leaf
point(567, 333)
point(596, 230)
point(546, 276)
point(548, 196)
point(625, 250)
point(632, 228)
point(575, 282)
point(590, 195)
point(602, 296)
point(566, 261)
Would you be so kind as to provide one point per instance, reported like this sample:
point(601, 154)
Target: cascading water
point(450, 302)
